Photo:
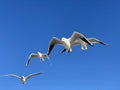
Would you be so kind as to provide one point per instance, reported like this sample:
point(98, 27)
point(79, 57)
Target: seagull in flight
point(23, 78)
point(67, 42)
point(84, 44)
point(40, 55)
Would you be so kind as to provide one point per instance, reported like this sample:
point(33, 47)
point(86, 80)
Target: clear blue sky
point(26, 26)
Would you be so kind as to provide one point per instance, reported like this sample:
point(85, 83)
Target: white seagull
point(84, 44)
point(67, 42)
point(40, 55)
point(23, 78)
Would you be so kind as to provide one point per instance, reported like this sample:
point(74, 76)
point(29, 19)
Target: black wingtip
point(85, 40)
point(63, 51)
point(102, 43)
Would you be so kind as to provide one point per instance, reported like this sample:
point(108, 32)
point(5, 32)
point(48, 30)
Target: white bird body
point(67, 42)
point(40, 55)
point(23, 78)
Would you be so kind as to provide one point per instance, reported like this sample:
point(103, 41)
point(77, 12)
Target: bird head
point(63, 39)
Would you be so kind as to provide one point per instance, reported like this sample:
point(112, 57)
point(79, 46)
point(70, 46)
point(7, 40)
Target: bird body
point(23, 80)
point(66, 44)
point(41, 56)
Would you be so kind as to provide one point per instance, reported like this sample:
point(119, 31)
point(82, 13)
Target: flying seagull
point(67, 42)
point(23, 78)
point(84, 44)
point(39, 55)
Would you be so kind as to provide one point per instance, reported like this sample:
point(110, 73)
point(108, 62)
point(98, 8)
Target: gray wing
point(76, 42)
point(34, 74)
point(94, 40)
point(77, 35)
point(32, 55)
point(13, 75)
point(52, 43)
point(80, 42)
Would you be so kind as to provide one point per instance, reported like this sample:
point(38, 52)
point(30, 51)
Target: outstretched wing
point(34, 74)
point(13, 75)
point(52, 43)
point(77, 35)
point(94, 40)
point(76, 42)
point(32, 55)
point(80, 42)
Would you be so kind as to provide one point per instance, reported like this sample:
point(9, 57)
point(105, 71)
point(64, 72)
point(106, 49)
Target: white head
point(39, 53)
point(63, 39)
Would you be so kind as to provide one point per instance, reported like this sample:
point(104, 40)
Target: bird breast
point(40, 55)
point(67, 44)
point(23, 80)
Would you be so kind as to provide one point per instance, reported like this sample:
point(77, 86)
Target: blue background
point(27, 26)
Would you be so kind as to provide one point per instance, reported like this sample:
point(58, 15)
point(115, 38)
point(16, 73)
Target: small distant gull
point(40, 55)
point(84, 44)
point(23, 78)
point(67, 42)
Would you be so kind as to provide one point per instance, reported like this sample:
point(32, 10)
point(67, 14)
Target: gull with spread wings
point(67, 42)
point(40, 55)
point(23, 78)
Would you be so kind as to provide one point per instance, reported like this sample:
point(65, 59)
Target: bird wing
point(33, 74)
point(13, 75)
point(77, 35)
point(52, 43)
point(80, 42)
point(94, 40)
point(76, 42)
point(32, 55)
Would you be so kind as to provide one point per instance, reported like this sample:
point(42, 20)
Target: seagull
point(67, 42)
point(23, 78)
point(84, 44)
point(39, 55)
